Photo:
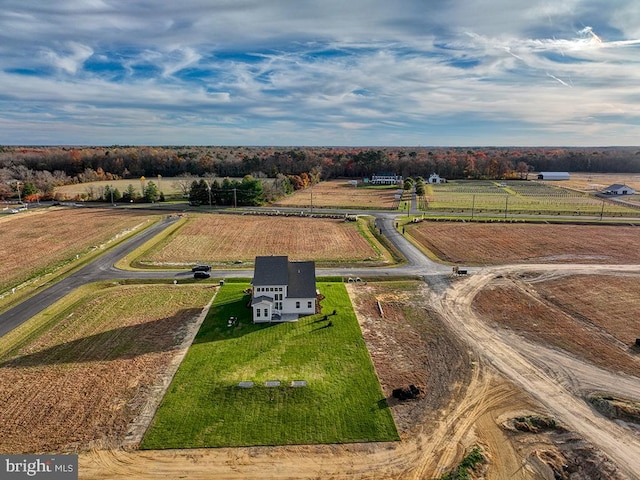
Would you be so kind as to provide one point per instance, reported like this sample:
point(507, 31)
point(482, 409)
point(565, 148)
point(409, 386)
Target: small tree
point(151, 192)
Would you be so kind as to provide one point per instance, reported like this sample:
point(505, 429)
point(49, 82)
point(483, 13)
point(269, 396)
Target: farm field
point(238, 239)
point(76, 375)
point(166, 185)
point(498, 243)
point(342, 402)
point(484, 197)
point(340, 194)
point(593, 317)
point(36, 242)
point(594, 182)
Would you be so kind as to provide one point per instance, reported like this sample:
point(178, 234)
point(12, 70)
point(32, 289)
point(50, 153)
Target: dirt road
point(557, 380)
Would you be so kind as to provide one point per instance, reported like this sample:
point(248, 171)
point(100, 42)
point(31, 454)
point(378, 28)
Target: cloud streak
point(251, 72)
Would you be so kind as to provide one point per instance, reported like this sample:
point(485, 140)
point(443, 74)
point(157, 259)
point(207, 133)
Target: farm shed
point(553, 176)
point(618, 189)
point(387, 178)
point(282, 290)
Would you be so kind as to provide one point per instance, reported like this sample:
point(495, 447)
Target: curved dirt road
point(557, 380)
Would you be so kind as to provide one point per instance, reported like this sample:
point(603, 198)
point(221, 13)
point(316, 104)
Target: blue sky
point(296, 72)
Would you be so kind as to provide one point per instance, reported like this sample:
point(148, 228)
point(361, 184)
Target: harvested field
point(492, 244)
point(593, 317)
point(594, 182)
point(228, 239)
point(340, 194)
point(35, 242)
point(82, 381)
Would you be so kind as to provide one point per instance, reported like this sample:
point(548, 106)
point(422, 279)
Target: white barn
point(618, 189)
point(282, 290)
point(435, 178)
point(553, 176)
point(385, 179)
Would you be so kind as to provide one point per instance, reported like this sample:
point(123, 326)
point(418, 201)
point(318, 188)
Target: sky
point(330, 72)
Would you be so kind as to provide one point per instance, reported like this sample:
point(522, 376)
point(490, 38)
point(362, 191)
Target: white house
point(618, 189)
point(385, 179)
point(435, 178)
point(282, 290)
point(553, 176)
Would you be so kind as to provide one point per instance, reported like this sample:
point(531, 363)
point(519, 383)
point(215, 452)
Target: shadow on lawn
point(120, 343)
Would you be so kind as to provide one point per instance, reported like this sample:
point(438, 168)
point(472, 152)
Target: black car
point(201, 275)
point(201, 268)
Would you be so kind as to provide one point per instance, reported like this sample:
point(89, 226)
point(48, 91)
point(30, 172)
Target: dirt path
point(554, 378)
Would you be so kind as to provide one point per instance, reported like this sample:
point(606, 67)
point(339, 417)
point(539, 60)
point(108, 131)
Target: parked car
point(201, 275)
point(201, 268)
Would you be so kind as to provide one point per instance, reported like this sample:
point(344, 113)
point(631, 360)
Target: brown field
point(83, 381)
point(224, 239)
point(493, 244)
point(593, 182)
point(38, 240)
point(339, 194)
point(593, 317)
point(167, 186)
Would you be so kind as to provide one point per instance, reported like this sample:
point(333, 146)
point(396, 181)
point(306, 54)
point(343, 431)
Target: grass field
point(166, 185)
point(238, 239)
point(340, 194)
point(492, 244)
point(342, 402)
point(519, 197)
point(75, 375)
point(37, 242)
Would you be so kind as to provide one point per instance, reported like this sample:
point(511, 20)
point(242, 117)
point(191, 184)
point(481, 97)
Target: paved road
point(102, 269)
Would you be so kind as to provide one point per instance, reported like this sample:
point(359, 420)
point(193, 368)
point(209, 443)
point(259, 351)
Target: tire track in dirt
point(531, 369)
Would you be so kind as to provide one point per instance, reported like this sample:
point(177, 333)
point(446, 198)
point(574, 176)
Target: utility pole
point(506, 206)
point(209, 190)
point(602, 210)
point(473, 206)
point(235, 199)
point(312, 199)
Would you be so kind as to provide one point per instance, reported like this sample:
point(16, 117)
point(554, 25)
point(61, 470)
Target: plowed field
point(493, 244)
point(83, 381)
point(594, 317)
point(220, 239)
point(340, 194)
point(32, 242)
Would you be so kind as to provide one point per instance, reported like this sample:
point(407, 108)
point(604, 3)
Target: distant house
point(282, 290)
point(618, 189)
point(553, 176)
point(385, 179)
point(435, 178)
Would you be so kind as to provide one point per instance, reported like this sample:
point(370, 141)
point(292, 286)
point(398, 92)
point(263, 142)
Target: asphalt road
point(103, 269)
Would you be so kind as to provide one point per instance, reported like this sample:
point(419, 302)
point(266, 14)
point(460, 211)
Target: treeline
point(46, 167)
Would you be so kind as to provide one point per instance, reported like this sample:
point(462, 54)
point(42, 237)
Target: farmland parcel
point(342, 402)
point(231, 239)
point(76, 375)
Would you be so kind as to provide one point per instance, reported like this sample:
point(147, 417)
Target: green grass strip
point(342, 402)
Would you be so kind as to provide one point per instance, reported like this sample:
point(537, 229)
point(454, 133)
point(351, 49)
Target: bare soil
point(224, 239)
point(36, 240)
point(594, 317)
point(83, 382)
point(340, 194)
point(493, 244)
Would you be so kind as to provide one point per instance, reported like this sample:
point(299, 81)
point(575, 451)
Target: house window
point(257, 312)
point(308, 304)
point(266, 312)
point(271, 289)
point(297, 304)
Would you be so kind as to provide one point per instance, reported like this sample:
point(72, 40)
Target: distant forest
point(40, 169)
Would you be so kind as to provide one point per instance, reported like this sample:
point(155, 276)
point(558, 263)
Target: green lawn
point(342, 401)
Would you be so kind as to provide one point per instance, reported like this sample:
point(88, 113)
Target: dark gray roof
point(270, 271)
point(260, 299)
point(302, 280)
point(616, 186)
point(300, 277)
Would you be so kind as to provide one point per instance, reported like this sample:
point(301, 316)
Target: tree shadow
point(119, 343)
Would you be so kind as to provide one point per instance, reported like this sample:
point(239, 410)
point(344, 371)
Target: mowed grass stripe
point(342, 402)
